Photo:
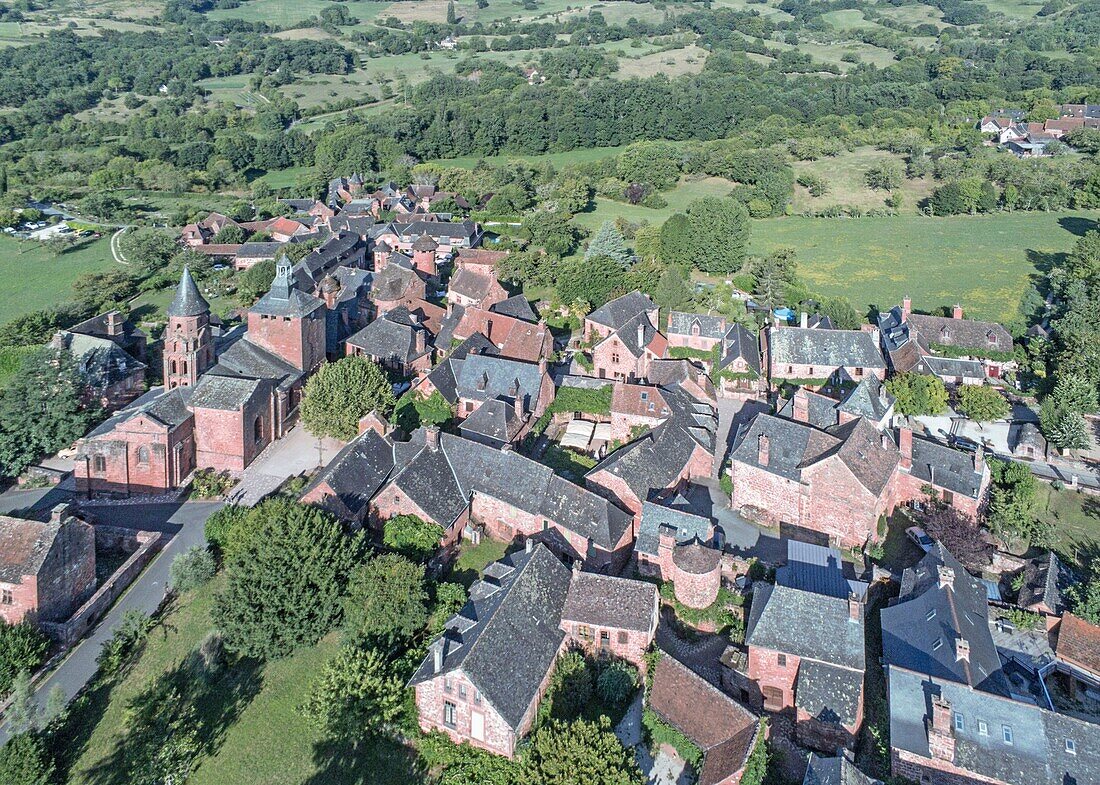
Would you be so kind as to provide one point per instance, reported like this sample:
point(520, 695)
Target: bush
point(23, 647)
point(125, 643)
point(209, 484)
point(659, 732)
point(191, 569)
point(412, 537)
point(616, 684)
point(220, 527)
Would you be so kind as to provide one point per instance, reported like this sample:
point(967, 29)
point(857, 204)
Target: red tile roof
point(1079, 642)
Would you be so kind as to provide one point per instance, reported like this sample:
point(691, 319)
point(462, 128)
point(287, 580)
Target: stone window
point(1006, 733)
point(584, 632)
point(615, 357)
point(960, 723)
point(1071, 746)
point(447, 683)
point(948, 498)
point(623, 637)
point(183, 366)
point(449, 714)
point(143, 456)
point(477, 697)
point(781, 660)
point(462, 691)
point(6, 597)
point(258, 429)
point(605, 639)
point(172, 365)
point(99, 464)
point(857, 372)
point(983, 728)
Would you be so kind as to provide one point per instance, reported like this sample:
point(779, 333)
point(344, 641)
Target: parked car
point(400, 388)
point(962, 443)
point(920, 538)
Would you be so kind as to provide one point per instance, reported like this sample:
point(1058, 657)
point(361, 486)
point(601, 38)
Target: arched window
point(143, 456)
point(172, 366)
point(258, 430)
point(183, 366)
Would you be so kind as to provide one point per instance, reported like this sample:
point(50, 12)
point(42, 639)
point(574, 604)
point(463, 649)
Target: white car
point(920, 538)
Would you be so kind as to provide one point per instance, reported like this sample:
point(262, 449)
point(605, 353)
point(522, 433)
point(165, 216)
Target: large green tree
point(608, 241)
point(357, 693)
point(720, 231)
point(677, 244)
point(42, 410)
point(387, 599)
point(656, 163)
point(917, 394)
point(24, 760)
point(594, 281)
point(341, 393)
point(23, 647)
point(579, 753)
point(412, 537)
point(285, 583)
point(982, 403)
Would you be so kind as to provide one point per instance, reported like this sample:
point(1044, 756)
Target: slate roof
point(239, 357)
point(739, 342)
point(441, 481)
point(355, 224)
point(656, 460)
point(357, 471)
point(436, 230)
point(821, 410)
point(609, 601)
point(695, 558)
point(794, 446)
point(723, 729)
point(1028, 435)
point(834, 771)
point(945, 467)
point(24, 546)
point(651, 337)
point(961, 333)
point(482, 378)
point(226, 393)
point(495, 420)
point(188, 300)
point(618, 312)
point(1037, 754)
point(806, 346)
point(394, 281)
point(920, 631)
point(285, 298)
point(470, 283)
point(1044, 581)
point(829, 693)
point(809, 625)
point(100, 361)
point(868, 399)
point(710, 326)
point(950, 368)
point(518, 307)
point(392, 336)
point(685, 525)
point(817, 569)
point(506, 638)
point(258, 250)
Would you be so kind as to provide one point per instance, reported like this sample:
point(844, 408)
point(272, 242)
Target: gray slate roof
point(266, 250)
point(950, 368)
point(818, 569)
point(188, 301)
point(495, 420)
point(24, 546)
point(238, 356)
point(392, 336)
point(506, 638)
point(808, 625)
point(1044, 581)
point(357, 471)
point(687, 526)
point(821, 410)
point(868, 399)
point(100, 361)
point(285, 298)
point(1037, 754)
point(834, 771)
point(619, 311)
point(481, 378)
point(920, 631)
point(945, 467)
point(845, 348)
point(961, 333)
point(739, 342)
point(609, 601)
point(226, 393)
point(393, 281)
point(683, 323)
point(516, 306)
point(828, 693)
point(629, 334)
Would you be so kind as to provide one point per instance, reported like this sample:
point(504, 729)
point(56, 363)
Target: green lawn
point(33, 277)
point(1076, 520)
point(984, 262)
point(473, 559)
point(286, 178)
point(845, 175)
point(685, 192)
point(583, 155)
point(262, 738)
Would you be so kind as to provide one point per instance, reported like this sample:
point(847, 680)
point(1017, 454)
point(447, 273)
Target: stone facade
point(931, 771)
point(299, 341)
point(611, 359)
point(188, 350)
point(230, 440)
point(140, 455)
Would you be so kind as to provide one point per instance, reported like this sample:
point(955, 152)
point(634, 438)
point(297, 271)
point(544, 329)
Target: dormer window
point(645, 396)
point(1071, 746)
point(991, 338)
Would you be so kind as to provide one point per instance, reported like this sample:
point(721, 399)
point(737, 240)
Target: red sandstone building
point(815, 357)
point(46, 569)
point(483, 679)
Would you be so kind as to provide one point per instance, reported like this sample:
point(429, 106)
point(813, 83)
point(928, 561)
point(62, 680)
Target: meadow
point(845, 175)
point(32, 276)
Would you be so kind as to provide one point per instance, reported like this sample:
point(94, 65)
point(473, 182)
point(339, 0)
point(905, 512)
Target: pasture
point(845, 176)
point(33, 277)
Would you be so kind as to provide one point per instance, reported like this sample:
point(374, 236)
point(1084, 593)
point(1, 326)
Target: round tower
point(188, 340)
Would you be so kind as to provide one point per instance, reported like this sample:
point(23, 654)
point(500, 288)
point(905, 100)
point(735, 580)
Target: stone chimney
point(431, 438)
point(60, 512)
point(520, 409)
point(855, 609)
point(543, 365)
point(885, 439)
point(489, 329)
point(957, 311)
point(905, 445)
point(979, 460)
point(763, 450)
point(420, 341)
point(437, 655)
point(946, 577)
point(906, 306)
point(641, 336)
point(529, 544)
point(804, 320)
point(941, 739)
point(666, 540)
point(962, 650)
point(114, 323)
point(373, 421)
point(801, 404)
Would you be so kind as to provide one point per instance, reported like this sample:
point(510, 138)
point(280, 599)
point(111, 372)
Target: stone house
point(397, 283)
point(687, 376)
point(627, 354)
point(636, 407)
point(110, 376)
point(149, 447)
point(449, 237)
point(960, 479)
point(955, 716)
point(695, 331)
point(868, 400)
point(289, 322)
point(467, 487)
point(469, 287)
point(470, 382)
point(664, 460)
point(351, 479)
point(739, 372)
point(1043, 592)
point(833, 482)
point(251, 254)
point(188, 350)
point(396, 340)
point(483, 678)
point(614, 315)
point(46, 569)
point(806, 652)
point(814, 357)
point(922, 343)
point(479, 260)
point(113, 326)
point(723, 729)
point(667, 547)
point(839, 770)
point(514, 338)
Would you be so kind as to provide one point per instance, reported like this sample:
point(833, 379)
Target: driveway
point(732, 416)
point(185, 522)
point(294, 454)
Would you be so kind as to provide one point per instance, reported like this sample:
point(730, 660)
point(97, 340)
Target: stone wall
point(930, 771)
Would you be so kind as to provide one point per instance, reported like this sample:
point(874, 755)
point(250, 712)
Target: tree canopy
point(341, 393)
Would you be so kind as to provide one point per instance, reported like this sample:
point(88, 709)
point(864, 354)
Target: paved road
point(185, 524)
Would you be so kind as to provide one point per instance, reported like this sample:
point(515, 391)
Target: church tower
point(188, 340)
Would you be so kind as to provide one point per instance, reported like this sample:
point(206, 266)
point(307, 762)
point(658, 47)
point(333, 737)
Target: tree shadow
point(180, 717)
point(371, 760)
point(1045, 261)
point(1075, 224)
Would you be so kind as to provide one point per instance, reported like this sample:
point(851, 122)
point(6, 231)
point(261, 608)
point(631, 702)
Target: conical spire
point(188, 301)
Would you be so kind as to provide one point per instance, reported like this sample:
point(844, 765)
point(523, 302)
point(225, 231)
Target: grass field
point(1075, 517)
point(33, 277)
point(845, 176)
point(583, 155)
point(984, 262)
point(263, 738)
point(685, 192)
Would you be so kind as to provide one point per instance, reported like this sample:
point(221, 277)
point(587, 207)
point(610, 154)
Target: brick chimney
point(957, 311)
point(114, 323)
point(542, 365)
point(666, 540)
point(941, 739)
point(431, 438)
point(962, 650)
point(804, 320)
point(979, 460)
point(763, 450)
point(946, 577)
point(60, 512)
point(905, 445)
point(855, 609)
point(801, 404)
point(420, 341)
point(906, 306)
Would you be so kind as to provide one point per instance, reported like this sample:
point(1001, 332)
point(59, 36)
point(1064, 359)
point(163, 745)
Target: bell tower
point(188, 341)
